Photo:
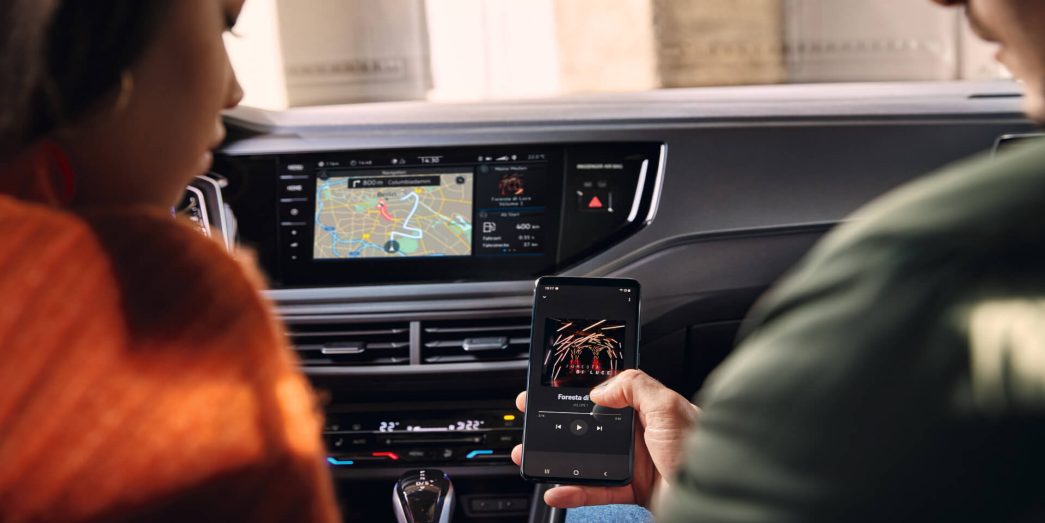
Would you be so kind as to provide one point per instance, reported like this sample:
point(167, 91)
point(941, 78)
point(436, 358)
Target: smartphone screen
point(585, 331)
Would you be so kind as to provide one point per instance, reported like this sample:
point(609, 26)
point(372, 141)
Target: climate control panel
point(434, 438)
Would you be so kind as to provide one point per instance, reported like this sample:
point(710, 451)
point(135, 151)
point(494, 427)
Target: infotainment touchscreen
point(476, 210)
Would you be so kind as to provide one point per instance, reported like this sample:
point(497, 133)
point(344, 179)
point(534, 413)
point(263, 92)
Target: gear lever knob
point(423, 496)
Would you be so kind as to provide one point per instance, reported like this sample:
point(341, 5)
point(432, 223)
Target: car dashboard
point(401, 241)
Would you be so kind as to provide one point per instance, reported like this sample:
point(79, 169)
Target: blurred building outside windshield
point(310, 52)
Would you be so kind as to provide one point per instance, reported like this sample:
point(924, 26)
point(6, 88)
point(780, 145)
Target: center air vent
point(349, 344)
point(475, 340)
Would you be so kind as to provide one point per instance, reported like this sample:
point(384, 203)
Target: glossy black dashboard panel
point(447, 214)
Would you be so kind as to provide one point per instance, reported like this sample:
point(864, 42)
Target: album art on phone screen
point(582, 353)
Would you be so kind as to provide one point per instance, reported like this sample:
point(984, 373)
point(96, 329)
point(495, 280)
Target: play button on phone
point(578, 427)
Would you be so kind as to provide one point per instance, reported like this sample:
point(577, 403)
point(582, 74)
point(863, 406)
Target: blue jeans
point(614, 513)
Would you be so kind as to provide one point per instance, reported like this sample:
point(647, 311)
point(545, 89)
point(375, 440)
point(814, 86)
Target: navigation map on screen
point(401, 215)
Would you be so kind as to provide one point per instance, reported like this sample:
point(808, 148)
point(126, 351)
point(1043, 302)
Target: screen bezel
point(256, 192)
point(535, 370)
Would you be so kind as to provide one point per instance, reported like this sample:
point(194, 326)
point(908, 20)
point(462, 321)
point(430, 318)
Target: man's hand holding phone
point(664, 416)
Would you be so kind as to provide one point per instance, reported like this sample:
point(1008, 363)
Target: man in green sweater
point(897, 374)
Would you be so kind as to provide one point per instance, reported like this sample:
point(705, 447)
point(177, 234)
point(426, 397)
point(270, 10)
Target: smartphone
point(585, 331)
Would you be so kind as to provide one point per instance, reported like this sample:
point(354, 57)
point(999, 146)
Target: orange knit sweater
point(142, 378)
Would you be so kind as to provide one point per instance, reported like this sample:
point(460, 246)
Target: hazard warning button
point(595, 200)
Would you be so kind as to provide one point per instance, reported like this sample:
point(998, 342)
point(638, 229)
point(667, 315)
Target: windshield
point(311, 52)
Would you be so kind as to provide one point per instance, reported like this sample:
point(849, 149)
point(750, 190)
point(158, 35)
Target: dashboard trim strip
point(203, 207)
point(662, 165)
point(641, 190)
point(226, 234)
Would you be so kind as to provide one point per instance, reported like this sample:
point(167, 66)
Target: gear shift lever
point(423, 496)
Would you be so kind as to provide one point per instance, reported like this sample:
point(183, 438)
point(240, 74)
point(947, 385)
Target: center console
point(402, 385)
point(338, 218)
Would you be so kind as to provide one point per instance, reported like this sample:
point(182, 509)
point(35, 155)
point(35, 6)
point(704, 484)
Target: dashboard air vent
point(327, 345)
point(475, 340)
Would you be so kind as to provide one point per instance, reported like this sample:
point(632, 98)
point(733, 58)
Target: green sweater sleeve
point(851, 396)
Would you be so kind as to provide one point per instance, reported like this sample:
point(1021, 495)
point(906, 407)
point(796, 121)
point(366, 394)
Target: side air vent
point(327, 345)
point(475, 340)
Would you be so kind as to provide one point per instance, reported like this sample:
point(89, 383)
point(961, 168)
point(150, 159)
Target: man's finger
point(573, 496)
point(634, 388)
point(517, 455)
point(631, 388)
point(520, 401)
